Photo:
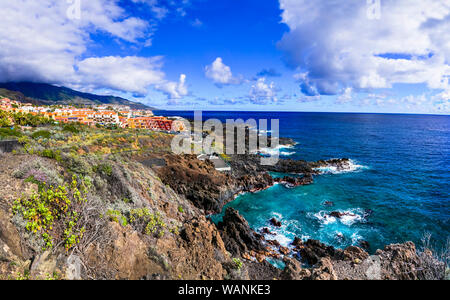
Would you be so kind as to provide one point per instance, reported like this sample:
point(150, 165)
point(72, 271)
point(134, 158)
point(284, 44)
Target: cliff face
point(144, 218)
point(185, 245)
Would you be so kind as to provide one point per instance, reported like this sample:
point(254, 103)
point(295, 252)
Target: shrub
point(144, 221)
point(76, 164)
point(155, 225)
point(238, 263)
point(5, 119)
point(104, 169)
point(116, 216)
point(41, 134)
point(52, 154)
point(54, 213)
point(27, 119)
point(180, 209)
point(71, 128)
point(8, 132)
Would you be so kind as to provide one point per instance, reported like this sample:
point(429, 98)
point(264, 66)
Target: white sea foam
point(277, 215)
point(348, 218)
point(324, 218)
point(277, 150)
point(285, 153)
point(352, 166)
point(356, 238)
point(282, 238)
point(351, 219)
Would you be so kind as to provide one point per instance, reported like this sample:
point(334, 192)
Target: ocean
point(397, 191)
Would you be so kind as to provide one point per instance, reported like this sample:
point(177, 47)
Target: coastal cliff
point(141, 215)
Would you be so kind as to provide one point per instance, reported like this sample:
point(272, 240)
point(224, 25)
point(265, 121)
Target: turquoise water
point(398, 190)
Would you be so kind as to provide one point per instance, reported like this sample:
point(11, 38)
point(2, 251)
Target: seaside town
point(101, 115)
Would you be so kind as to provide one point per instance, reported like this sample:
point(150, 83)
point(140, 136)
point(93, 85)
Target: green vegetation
point(9, 133)
point(139, 214)
point(180, 209)
point(116, 216)
point(41, 134)
point(73, 128)
point(23, 276)
point(142, 220)
point(155, 225)
point(104, 169)
point(54, 213)
point(27, 119)
point(238, 263)
point(52, 154)
point(5, 120)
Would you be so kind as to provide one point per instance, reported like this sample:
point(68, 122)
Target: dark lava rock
point(262, 271)
point(259, 236)
point(339, 215)
point(297, 242)
point(365, 245)
point(273, 243)
point(237, 235)
point(266, 230)
point(328, 203)
point(292, 182)
point(352, 253)
point(275, 222)
point(313, 250)
point(285, 250)
point(294, 270)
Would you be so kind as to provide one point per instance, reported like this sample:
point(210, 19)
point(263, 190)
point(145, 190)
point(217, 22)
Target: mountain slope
point(42, 93)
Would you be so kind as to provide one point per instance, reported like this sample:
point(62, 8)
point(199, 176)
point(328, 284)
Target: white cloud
point(197, 23)
point(335, 46)
point(132, 74)
point(423, 102)
point(346, 96)
point(39, 42)
point(220, 73)
point(308, 99)
point(262, 92)
point(174, 90)
point(161, 8)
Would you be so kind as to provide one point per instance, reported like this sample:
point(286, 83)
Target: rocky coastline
point(324, 262)
point(177, 193)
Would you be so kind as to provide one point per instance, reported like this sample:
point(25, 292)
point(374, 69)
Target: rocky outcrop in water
point(237, 235)
point(340, 164)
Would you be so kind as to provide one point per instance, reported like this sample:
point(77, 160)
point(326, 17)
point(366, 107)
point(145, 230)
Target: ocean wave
point(352, 166)
point(347, 217)
point(277, 150)
point(284, 153)
point(324, 218)
point(356, 238)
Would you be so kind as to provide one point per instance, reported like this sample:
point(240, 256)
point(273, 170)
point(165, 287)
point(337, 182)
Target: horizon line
point(322, 112)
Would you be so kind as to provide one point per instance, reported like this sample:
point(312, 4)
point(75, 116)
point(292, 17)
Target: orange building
point(152, 123)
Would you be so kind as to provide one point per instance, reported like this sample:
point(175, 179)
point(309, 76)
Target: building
point(152, 123)
point(121, 116)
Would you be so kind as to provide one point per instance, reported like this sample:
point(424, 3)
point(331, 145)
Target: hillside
point(46, 94)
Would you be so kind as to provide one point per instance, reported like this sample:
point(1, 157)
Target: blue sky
point(283, 55)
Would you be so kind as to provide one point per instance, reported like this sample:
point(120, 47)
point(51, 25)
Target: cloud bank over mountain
point(49, 41)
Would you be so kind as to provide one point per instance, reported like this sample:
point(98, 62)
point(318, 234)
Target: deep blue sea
point(401, 174)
